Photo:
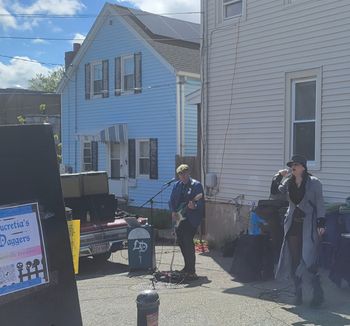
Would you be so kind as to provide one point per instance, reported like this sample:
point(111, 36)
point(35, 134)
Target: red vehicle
point(103, 227)
point(99, 240)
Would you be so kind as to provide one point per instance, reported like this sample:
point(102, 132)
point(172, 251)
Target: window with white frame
point(87, 156)
point(304, 118)
point(115, 160)
point(128, 71)
point(303, 115)
point(232, 8)
point(143, 158)
point(97, 79)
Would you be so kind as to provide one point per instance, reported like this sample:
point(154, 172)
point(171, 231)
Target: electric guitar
point(182, 208)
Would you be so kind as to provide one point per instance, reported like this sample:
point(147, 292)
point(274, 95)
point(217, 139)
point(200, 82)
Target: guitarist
point(182, 195)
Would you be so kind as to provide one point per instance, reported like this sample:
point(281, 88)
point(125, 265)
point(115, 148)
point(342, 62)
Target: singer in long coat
point(313, 206)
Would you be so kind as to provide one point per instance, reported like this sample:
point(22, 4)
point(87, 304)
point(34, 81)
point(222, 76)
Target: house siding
point(190, 122)
point(246, 97)
point(150, 114)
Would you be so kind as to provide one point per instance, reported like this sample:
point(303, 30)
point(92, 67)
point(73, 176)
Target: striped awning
point(117, 133)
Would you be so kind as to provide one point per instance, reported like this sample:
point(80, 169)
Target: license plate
point(99, 248)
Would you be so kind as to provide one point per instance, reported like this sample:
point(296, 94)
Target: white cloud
point(55, 7)
point(17, 72)
point(51, 7)
point(39, 41)
point(166, 6)
point(78, 38)
point(7, 21)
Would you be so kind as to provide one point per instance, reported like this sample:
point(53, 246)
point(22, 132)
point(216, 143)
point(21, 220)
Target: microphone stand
point(151, 200)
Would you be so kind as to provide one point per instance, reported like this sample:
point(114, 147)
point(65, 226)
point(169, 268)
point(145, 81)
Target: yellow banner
point(74, 235)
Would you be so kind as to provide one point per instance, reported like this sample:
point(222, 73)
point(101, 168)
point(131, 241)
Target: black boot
point(318, 296)
point(298, 291)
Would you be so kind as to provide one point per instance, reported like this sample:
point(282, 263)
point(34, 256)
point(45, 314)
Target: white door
point(118, 169)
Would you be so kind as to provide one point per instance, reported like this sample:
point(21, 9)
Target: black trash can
point(147, 308)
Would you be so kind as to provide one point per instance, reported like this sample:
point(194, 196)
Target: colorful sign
point(23, 261)
point(74, 236)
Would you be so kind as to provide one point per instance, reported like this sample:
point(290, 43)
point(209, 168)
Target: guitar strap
point(183, 194)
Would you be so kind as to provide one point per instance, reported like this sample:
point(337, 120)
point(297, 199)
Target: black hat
point(297, 159)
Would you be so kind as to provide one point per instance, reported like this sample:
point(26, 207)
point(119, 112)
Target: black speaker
point(102, 207)
point(79, 207)
point(252, 259)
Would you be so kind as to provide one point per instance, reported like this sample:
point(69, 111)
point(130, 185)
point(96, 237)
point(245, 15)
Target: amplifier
point(72, 186)
point(95, 183)
point(102, 207)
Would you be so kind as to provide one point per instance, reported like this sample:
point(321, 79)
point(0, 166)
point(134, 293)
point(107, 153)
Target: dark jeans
point(185, 233)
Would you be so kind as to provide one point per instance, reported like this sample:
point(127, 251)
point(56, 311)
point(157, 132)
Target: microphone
point(169, 182)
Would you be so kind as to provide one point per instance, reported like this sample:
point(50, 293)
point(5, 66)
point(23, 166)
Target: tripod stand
point(151, 200)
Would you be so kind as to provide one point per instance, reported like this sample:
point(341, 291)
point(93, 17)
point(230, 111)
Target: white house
point(276, 82)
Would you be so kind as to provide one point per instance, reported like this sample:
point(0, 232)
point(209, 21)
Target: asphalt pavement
point(108, 293)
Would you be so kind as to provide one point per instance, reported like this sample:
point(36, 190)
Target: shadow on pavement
point(88, 268)
point(269, 291)
point(202, 280)
point(336, 299)
point(323, 317)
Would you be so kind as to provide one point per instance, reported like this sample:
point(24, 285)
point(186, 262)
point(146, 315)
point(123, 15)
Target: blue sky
point(34, 19)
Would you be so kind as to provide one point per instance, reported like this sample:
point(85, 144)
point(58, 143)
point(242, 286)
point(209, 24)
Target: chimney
point(76, 47)
point(70, 55)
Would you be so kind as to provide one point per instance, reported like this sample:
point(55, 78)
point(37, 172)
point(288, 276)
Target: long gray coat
point(313, 207)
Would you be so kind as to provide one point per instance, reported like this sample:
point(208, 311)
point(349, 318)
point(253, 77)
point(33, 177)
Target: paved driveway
point(107, 296)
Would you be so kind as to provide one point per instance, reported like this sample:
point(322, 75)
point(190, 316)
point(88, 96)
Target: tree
point(47, 83)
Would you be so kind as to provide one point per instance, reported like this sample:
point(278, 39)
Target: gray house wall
point(246, 103)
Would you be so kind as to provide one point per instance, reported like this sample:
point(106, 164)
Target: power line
point(40, 38)
point(30, 60)
point(95, 15)
point(194, 40)
point(39, 93)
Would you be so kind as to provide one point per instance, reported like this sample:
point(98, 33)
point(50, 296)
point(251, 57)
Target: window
point(232, 8)
point(143, 158)
point(128, 74)
point(87, 156)
point(304, 118)
point(304, 126)
point(97, 79)
point(115, 160)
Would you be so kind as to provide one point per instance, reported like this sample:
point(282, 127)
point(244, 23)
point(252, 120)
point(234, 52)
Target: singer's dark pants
point(185, 233)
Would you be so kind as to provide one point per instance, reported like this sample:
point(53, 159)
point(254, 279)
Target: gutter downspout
point(76, 122)
point(205, 82)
